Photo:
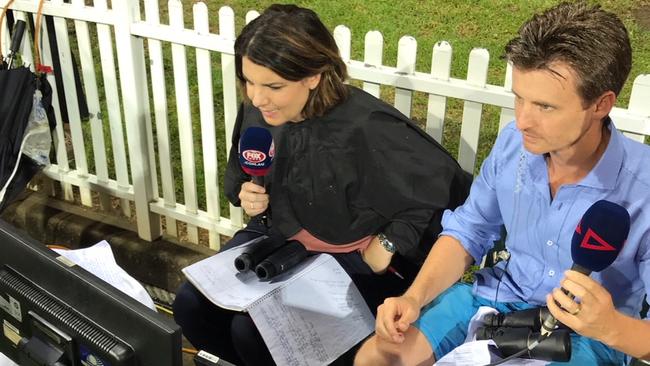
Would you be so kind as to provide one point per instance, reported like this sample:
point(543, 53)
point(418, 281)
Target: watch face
point(387, 244)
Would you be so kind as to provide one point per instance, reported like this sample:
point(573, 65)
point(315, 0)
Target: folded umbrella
point(21, 93)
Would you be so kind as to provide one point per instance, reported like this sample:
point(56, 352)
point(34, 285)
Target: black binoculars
point(513, 332)
point(270, 257)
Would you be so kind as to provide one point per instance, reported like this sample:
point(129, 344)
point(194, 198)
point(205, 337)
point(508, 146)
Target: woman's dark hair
point(293, 42)
point(592, 41)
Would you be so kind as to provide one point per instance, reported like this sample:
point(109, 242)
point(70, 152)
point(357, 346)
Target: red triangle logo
point(599, 244)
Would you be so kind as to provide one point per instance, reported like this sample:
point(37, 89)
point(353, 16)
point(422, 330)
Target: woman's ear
point(312, 81)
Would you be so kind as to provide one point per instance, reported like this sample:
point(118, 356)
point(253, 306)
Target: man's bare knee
point(377, 352)
point(415, 350)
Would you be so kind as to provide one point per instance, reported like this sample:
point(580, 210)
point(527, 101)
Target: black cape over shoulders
point(361, 169)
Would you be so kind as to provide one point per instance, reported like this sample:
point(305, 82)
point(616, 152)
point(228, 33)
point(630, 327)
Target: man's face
point(279, 100)
point(549, 112)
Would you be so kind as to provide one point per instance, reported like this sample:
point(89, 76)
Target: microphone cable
point(521, 165)
point(520, 353)
point(505, 254)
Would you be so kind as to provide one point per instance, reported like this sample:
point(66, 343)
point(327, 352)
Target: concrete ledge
point(156, 263)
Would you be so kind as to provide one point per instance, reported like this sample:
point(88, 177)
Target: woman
point(351, 175)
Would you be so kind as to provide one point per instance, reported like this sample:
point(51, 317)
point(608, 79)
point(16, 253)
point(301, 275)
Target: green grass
point(466, 24)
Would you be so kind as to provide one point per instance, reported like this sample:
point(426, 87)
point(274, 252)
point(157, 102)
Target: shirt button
point(551, 273)
point(549, 243)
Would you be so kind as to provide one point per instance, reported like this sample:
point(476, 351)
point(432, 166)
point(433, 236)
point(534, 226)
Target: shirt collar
point(603, 175)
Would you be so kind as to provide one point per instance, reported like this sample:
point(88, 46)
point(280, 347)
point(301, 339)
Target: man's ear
point(312, 81)
point(604, 104)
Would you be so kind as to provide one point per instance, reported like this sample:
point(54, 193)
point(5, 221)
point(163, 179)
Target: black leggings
point(233, 336)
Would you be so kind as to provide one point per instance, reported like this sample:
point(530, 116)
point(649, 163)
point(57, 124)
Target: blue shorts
point(445, 320)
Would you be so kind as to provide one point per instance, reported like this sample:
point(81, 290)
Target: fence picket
point(92, 98)
point(507, 114)
point(71, 97)
point(437, 106)
point(62, 165)
point(406, 56)
point(230, 104)
point(130, 56)
point(181, 88)
point(113, 107)
point(159, 91)
point(250, 16)
point(6, 38)
point(477, 68)
point(208, 133)
point(343, 38)
point(639, 98)
point(373, 53)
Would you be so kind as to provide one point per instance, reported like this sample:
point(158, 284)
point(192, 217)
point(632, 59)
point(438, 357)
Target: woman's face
point(279, 100)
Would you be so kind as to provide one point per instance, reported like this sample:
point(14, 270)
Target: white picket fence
point(142, 160)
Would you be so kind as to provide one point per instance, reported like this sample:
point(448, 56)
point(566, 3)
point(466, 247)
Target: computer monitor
point(55, 313)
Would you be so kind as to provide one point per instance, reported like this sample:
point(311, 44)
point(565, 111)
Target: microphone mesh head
point(256, 151)
point(600, 235)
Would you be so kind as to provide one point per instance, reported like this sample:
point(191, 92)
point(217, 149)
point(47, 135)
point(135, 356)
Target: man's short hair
point(590, 40)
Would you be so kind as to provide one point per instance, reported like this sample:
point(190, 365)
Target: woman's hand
point(376, 256)
point(254, 199)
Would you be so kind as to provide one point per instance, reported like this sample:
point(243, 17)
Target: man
point(561, 155)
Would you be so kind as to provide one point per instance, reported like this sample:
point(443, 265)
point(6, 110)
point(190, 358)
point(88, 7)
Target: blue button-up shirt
point(512, 189)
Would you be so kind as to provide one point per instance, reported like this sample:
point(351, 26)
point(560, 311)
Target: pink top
point(314, 244)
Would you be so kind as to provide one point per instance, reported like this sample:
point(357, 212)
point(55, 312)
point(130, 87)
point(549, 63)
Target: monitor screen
point(55, 313)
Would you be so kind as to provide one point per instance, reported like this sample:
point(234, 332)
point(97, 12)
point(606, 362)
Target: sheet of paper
point(477, 321)
point(469, 354)
point(218, 279)
point(100, 261)
point(314, 319)
point(5, 361)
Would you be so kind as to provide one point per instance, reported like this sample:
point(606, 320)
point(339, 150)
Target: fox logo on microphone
point(256, 151)
point(254, 156)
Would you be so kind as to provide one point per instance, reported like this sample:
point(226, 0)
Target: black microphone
point(256, 151)
point(596, 242)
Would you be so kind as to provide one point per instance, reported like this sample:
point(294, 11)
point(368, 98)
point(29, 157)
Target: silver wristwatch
point(387, 244)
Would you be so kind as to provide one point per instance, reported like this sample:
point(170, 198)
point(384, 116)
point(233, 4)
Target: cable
point(521, 171)
point(519, 183)
point(518, 354)
point(163, 309)
point(505, 254)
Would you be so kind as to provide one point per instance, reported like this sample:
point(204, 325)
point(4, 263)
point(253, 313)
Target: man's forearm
point(630, 336)
point(445, 264)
